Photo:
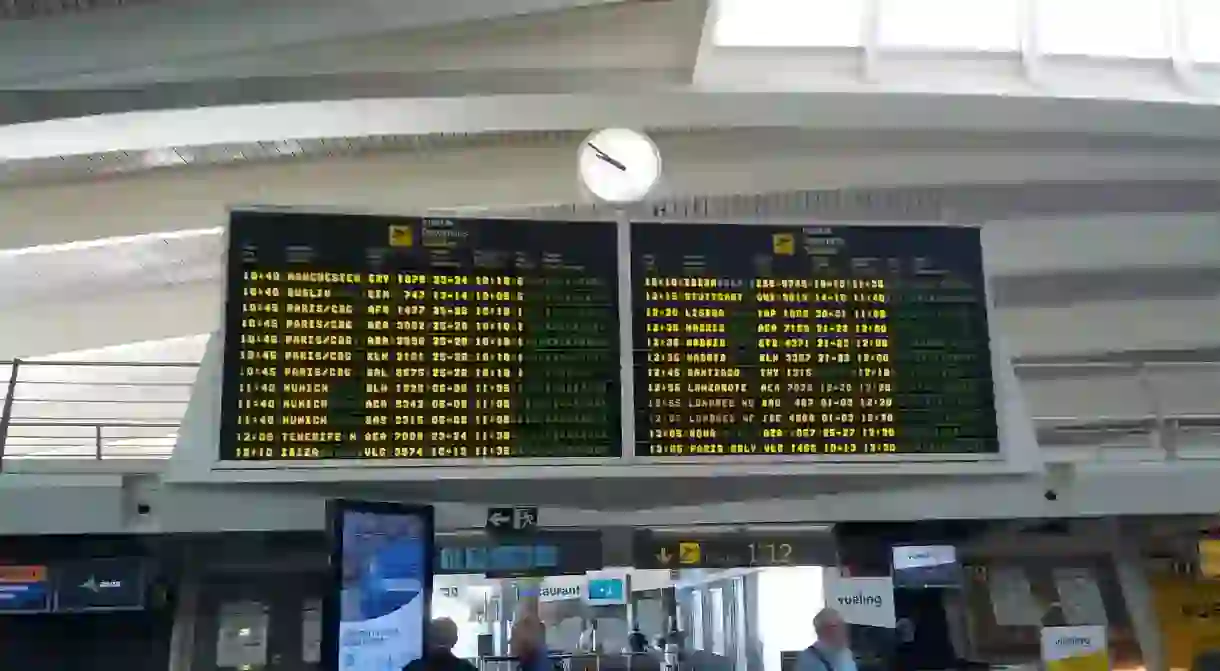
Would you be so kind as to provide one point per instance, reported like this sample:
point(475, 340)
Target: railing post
point(6, 414)
point(1162, 429)
point(97, 441)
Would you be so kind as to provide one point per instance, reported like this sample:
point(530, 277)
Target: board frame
point(1004, 461)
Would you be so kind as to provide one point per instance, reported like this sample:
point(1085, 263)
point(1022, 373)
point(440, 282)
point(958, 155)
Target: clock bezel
point(586, 179)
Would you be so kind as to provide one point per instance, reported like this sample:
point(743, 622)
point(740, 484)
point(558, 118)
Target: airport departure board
point(419, 338)
point(810, 340)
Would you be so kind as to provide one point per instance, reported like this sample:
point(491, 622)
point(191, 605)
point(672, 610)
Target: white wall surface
point(62, 504)
point(1188, 487)
point(505, 177)
point(1028, 246)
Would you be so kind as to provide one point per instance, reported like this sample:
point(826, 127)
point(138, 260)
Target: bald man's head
point(528, 636)
point(831, 629)
point(442, 633)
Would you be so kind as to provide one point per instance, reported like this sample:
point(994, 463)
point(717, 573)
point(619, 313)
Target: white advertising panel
point(1075, 648)
point(863, 601)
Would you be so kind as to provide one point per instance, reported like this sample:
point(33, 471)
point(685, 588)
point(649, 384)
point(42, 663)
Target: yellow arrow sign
point(689, 553)
point(663, 556)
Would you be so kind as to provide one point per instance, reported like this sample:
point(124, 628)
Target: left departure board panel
point(362, 337)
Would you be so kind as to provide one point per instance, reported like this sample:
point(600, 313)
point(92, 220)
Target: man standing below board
point(830, 652)
point(442, 636)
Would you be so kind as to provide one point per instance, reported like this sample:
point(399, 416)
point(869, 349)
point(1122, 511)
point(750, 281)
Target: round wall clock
point(619, 165)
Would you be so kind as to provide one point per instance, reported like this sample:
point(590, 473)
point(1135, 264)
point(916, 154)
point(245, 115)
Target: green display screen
point(361, 337)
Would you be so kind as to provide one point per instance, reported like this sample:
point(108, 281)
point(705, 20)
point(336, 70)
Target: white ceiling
point(13, 10)
point(344, 80)
point(1139, 29)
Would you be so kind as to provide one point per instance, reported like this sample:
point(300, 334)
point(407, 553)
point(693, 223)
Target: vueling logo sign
point(1074, 641)
point(861, 599)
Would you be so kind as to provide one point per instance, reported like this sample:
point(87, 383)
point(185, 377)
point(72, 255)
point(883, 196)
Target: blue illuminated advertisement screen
point(25, 589)
point(379, 604)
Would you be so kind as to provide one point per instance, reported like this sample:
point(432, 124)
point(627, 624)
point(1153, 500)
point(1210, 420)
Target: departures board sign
point(365, 337)
point(810, 340)
point(452, 340)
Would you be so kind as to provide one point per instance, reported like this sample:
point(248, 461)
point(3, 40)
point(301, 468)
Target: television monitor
point(376, 612)
point(926, 566)
point(25, 589)
point(99, 585)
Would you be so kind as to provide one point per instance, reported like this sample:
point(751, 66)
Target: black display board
point(419, 338)
point(539, 554)
point(100, 585)
point(741, 549)
point(810, 340)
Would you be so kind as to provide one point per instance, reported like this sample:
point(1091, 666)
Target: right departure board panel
point(810, 340)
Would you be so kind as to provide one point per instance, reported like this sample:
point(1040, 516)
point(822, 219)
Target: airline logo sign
point(1081, 648)
point(924, 556)
point(863, 601)
point(606, 588)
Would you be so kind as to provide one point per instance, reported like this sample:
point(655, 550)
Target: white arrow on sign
point(499, 519)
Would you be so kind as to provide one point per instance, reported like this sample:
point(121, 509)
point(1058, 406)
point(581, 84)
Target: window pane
point(1104, 28)
point(1201, 19)
point(789, 23)
point(950, 25)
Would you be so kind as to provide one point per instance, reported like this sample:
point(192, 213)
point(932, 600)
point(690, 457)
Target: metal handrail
point(57, 410)
point(31, 429)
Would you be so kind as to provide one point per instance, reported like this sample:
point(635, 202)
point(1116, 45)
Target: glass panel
point(950, 25)
point(789, 23)
point(1201, 19)
point(1103, 28)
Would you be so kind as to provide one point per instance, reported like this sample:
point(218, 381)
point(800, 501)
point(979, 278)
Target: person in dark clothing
point(528, 645)
point(442, 636)
point(637, 642)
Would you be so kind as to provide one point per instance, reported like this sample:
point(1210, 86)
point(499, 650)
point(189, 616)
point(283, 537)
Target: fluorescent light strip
point(101, 243)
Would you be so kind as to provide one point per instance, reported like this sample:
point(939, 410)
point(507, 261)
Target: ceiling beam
point(157, 36)
point(138, 131)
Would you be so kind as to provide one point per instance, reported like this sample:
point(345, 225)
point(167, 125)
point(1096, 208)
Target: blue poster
point(24, 589)
point(381, 604)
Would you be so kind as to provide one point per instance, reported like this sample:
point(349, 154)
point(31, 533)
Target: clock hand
point(606, 157)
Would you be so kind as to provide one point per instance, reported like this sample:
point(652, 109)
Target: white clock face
point(618, 165)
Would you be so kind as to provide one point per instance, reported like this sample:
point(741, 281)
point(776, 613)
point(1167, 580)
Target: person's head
point(442, 634)
point(528, 636)
point(831, 629)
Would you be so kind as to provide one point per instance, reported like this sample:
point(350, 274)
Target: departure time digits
point(425, 365)
point(792, 342)
point(768, 366)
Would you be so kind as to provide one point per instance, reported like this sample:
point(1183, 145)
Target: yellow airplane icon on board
point(689, 553)
point(783, 244)
point(401, 235)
